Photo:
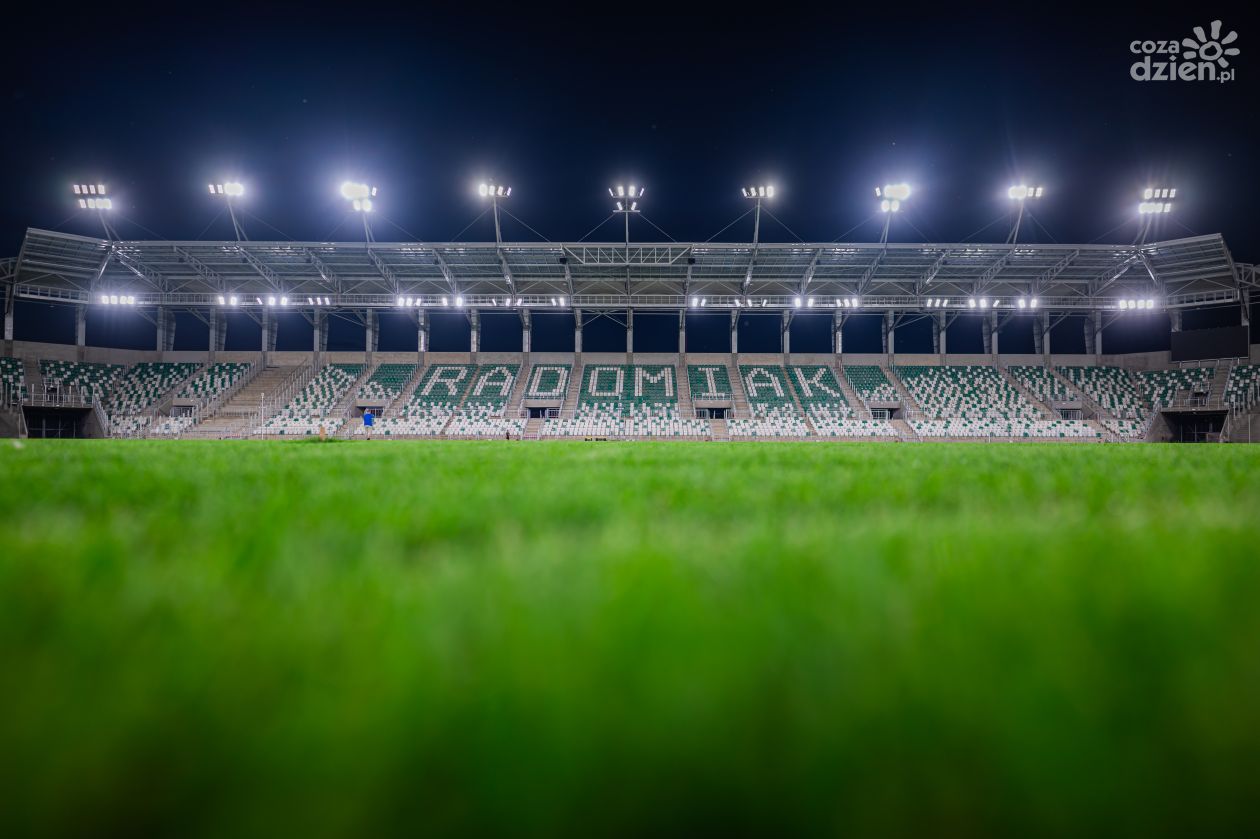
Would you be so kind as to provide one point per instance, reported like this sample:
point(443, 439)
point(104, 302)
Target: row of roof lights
point(1136, 304)
point(118, 299)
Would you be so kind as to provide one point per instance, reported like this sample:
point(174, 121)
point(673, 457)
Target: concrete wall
point(67, 352)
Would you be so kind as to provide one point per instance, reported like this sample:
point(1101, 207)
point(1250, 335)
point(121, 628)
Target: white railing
point(285, 393)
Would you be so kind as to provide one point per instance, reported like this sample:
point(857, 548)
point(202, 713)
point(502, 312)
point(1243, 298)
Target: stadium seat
point(972, 391)
point(386, 382)
point(313, 406)
point(1242, 388)
point(12, 379)
point(624, 400)
point(1111, 387)
point(432, 404)
point(1041, 383)
point(708, 381)
point(80, 377)
point(213, 380)
point(144, 385)
point(870, 383)
point(485, 408)
point(548, 381)
point(1162, 387)
point(770, 403)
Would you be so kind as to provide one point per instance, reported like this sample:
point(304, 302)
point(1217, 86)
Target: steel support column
point(474, 333)
point(80, 330)
point(422, 332)
point(734, 332)
point(577, 331)
point(887, 334)
point(682, 332)
point(837, 332)
point(629, 332)
point(785, 334)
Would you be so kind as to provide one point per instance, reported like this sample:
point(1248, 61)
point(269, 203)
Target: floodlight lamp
point(284, 301)
point(1034, 302)
point(221, 300)
point(400, 302)
point(232, 300)
point(971, 303)
point(695, 301)
point(897, 192)
point(459, 300)
point(562, 296)
point(796, 302)
point(1023, 304)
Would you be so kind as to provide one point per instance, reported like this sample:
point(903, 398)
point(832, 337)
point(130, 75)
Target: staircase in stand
point(907, 401)
point(394, 408)
point(739, 400)
point(682, 385)
point(1046, 411)
point(717, 427)
point(569, 407)
point(533, 429)
point(855, 401)
point(235, 417)
point(904, 432)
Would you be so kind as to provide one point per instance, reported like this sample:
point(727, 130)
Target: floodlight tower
point(361, 198)
point(1155, 202)
point(891, 197)
point(230, 191)
point(93, 197)
point(758, 194)
point(627, 198)
point(1021, 195)
point(495, 194)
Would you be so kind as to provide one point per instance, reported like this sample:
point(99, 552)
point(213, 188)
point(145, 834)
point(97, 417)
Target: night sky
point(293, 100)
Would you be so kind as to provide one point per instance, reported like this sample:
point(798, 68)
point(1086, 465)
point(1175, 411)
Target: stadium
point(1205, 388)
point(882, 464)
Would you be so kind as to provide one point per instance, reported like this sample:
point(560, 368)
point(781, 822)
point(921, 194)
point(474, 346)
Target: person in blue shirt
point(368, 421)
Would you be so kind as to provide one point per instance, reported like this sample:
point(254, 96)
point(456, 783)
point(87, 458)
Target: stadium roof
point(668, 275)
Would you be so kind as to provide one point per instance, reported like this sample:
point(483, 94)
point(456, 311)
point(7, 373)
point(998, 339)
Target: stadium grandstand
point(81, 390)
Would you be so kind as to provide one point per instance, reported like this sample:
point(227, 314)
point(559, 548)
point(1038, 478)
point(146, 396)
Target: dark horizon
point(425, 104)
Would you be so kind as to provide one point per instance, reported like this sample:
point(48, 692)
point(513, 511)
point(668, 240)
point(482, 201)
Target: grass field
point(256, 639)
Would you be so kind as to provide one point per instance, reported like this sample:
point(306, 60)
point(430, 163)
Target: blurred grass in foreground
point(628, 639)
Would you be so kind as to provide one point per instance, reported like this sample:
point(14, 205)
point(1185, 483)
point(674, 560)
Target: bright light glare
point(897, 192)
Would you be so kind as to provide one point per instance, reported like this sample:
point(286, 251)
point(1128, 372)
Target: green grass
point(262, 639)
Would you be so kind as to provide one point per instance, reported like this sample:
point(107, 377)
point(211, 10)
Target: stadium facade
point(734, 395)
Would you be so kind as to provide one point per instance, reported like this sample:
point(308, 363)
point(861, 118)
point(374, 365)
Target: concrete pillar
point(986, 338)
point(629, 332)
point(682, 333)
point(1091, 348)
point(888, 335)
point(996, 331)
point(1098, 333)
point(80, 331)
point(526, 330)
point(735, 332)
point(785, 334)
point(422, 332)
point(268, 333)
point(942, 334)
point(1174, 319)
point(371, 333)
point(577, 331)
point(165, 330)
point(218, 332)
point(474, 320)
point(319, 333)
point(1041, 336)
point(9, 306)
point(837, 333)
